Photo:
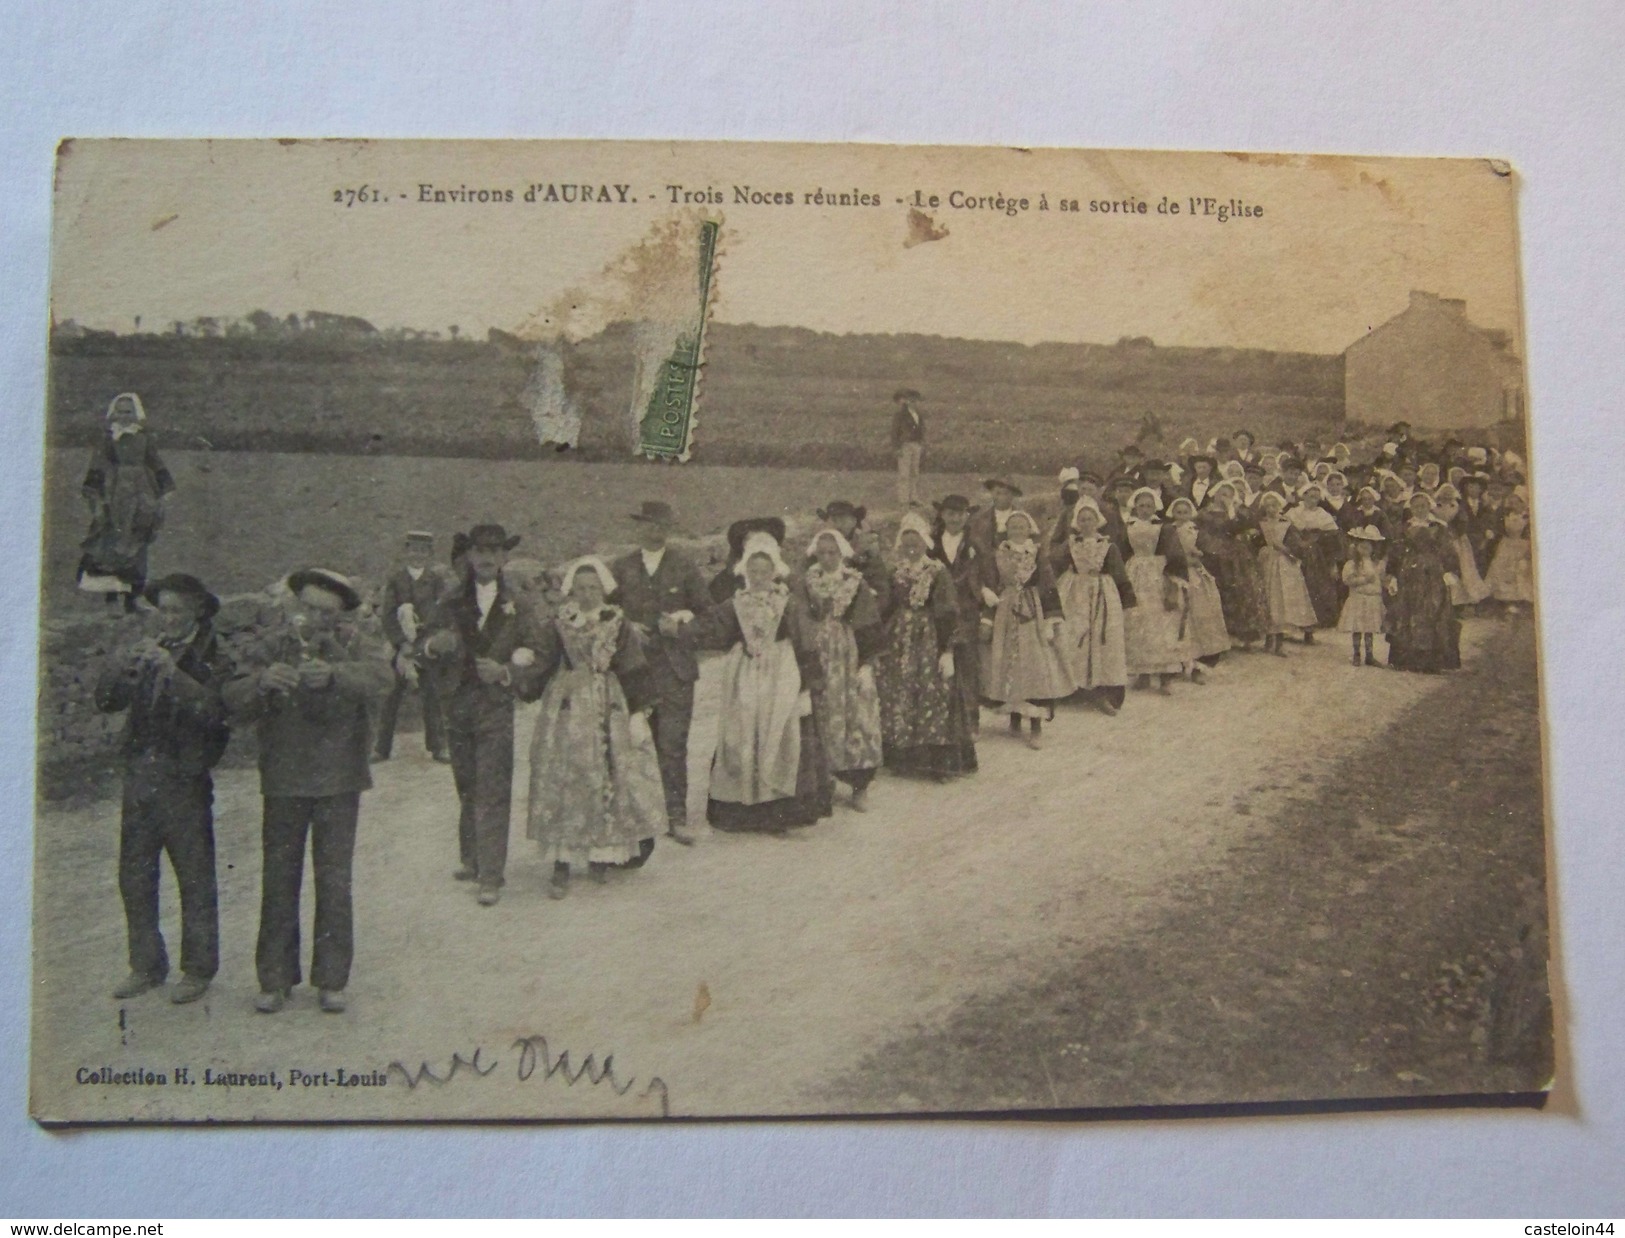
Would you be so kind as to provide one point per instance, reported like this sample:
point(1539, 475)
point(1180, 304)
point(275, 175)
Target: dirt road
point(747, 973)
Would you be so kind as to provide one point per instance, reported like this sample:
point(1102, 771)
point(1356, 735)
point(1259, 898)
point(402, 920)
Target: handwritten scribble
point(535, 1054)
point(458, 1062)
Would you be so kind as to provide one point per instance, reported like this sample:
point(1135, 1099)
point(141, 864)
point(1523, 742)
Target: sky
point(175, 230)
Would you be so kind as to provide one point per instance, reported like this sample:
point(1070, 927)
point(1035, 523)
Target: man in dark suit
point(659, 589)
point(311, 694)
point(175, 732)
point(1479, 521)
point(908, 441)
point(1203, 477)
point(483, 637)
point(410, 596)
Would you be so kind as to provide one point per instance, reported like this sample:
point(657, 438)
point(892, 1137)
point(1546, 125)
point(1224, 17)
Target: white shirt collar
point(485, 597)
point(652, 559)
point(951, 542)
point(416, 573)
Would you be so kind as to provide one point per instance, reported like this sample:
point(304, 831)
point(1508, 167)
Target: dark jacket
point(971, 571)
point(179, 719)
point(676, 585)
point(1483, 530)
point(315, 742)
point(907, 426)
point(983, 529)
point(510, 626)
point(424, 594)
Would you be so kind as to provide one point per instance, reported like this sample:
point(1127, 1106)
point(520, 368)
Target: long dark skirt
point(1423, 631)
point(1322, 566)
point(1242, 595)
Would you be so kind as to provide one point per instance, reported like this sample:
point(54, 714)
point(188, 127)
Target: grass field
point(770, 396)
point(241, 519)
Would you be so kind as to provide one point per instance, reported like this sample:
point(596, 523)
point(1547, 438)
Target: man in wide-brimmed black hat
point(175, 731)
point(410, 596)
point(659, 589)
point(908, 441)
point(312, 695)
point(484, 635)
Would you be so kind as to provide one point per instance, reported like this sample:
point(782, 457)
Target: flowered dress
point(922, 718)
point(1204, 609)
point(1290, 606)
point(769, 771)
point(1422, 628)
point(595, 791)
point(846, 633)
point(1094, 588)
point(1022, 669)
point(1155, 634)
point(1511, 577)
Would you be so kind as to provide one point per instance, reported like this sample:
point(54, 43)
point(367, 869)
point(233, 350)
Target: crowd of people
point(839, 657)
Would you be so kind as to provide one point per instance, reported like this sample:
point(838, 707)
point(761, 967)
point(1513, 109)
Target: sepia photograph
point(631, 630)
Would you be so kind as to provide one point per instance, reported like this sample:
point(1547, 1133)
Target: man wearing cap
point(311, 689)
point(484, 637)
point(908, 441)
point(410, 596)
point(659, 589)
point(175, 731)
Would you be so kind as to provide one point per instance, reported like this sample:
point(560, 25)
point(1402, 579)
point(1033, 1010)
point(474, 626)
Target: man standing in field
point(908, 441)
point(410, 596)
point(659, 589)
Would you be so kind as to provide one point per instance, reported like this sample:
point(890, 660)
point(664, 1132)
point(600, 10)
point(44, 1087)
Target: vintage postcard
point(627, 630)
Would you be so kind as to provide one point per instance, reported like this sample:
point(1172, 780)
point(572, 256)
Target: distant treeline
point(770, 395)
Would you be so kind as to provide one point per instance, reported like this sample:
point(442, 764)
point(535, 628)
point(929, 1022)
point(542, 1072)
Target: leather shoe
point(135, 984)
point(332, 1001)
point(189, 990)
point(489, 896)
point(465, 873)
point(676, 834)
point(444, 758)
point(271, 1001)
